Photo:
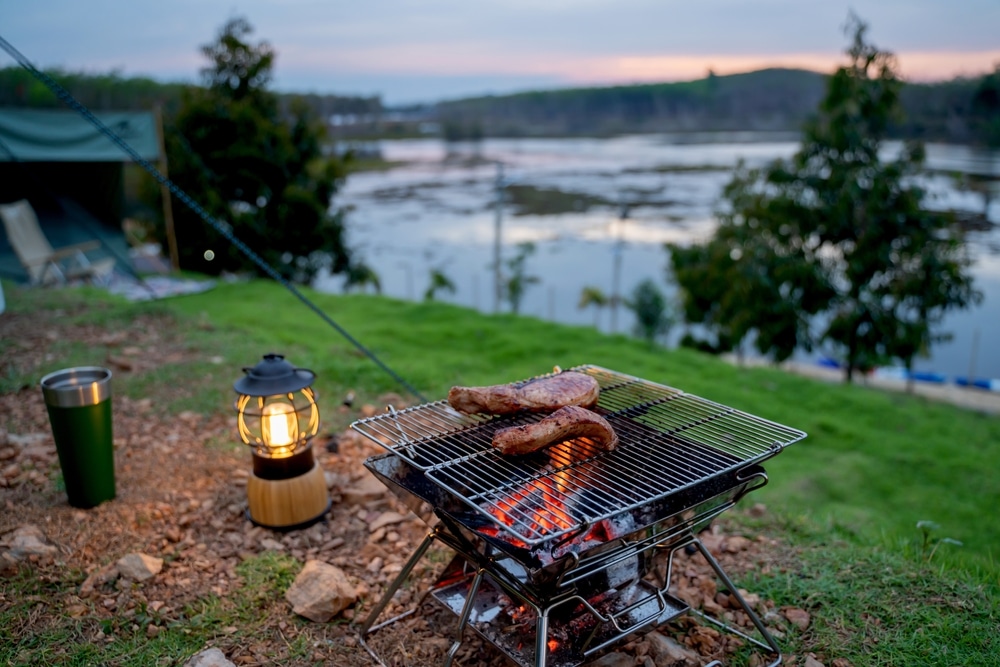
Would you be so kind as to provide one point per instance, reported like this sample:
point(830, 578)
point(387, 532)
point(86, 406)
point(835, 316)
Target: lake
point(437, 211)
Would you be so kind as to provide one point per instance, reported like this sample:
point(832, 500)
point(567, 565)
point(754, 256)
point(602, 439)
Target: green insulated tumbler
point(79, 405)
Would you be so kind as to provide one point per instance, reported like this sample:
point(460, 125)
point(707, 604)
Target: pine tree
point(836, 238)
point(265, 174)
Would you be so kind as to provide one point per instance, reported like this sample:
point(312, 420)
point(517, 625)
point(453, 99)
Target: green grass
point(882, 590)
point(533, 200)
point(93, 638)
point(367, 164)
point(35, 632)
point(873, 465)
point(878, 608)
point(75, 309)
point(678, 169)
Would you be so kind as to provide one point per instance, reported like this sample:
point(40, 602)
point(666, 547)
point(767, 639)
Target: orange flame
point(542, 507)
point(538, 507)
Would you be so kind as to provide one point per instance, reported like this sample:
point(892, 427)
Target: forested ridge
point(19, 88)
point(962, 110)
point(773, 99)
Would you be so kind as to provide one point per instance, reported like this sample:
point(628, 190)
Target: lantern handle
point(270, 356)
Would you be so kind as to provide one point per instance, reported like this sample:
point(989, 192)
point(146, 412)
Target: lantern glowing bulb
point(279, 429)
point(277, 417)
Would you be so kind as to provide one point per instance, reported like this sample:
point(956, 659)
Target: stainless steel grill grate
point(668, 441)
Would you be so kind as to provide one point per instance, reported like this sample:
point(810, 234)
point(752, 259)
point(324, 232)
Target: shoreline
point(970, 398)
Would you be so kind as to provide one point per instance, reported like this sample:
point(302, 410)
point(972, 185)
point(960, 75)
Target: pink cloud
point(478, 58)
point(914, 66)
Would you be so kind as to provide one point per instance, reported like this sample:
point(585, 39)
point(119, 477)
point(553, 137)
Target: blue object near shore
point(978, 383)
point(925, 376)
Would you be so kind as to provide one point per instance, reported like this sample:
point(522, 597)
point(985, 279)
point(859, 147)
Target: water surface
point(437, 210)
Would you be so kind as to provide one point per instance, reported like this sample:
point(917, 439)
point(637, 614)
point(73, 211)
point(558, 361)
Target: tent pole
point(168, 212)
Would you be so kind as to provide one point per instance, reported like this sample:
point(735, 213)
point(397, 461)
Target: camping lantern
point(277, 417)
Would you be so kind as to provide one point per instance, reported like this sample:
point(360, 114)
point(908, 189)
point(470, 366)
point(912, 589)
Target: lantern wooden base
point(288, 503)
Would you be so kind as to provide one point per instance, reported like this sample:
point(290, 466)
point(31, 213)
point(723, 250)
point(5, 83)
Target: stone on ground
point(320, 592)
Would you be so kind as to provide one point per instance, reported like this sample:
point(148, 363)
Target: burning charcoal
point(581, 505)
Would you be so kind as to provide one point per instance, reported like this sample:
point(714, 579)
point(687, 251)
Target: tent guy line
point(221, 227)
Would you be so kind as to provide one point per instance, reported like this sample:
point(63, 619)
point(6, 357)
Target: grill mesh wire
point(668, 441)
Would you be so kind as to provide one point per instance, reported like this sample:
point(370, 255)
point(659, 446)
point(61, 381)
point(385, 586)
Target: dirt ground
point(181, 497)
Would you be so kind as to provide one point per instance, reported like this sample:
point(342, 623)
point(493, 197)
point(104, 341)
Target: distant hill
point(764, 100)
point(103, 92)
point(770, 99)
point(959, 111)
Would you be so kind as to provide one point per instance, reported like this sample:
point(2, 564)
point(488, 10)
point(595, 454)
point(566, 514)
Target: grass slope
point(874, 465)
point(847, 499)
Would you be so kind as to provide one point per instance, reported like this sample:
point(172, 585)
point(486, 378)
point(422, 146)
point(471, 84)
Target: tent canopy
point(72, 175)
point(44, 135)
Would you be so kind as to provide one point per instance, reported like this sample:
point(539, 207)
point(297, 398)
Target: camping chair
point(44, 264)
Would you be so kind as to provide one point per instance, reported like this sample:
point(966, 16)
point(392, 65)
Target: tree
point(985, 111)
point(518, 282)
point(439, 282)
point(743, 283)
point(239, 70)
point(360, 275)
point(593, 297)
point(836, 232)
point(653, 317)
point(262, 172)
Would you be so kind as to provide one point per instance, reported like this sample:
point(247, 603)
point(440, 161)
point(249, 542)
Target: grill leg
point(366, 627)
point(464, 620)
point(761, 628)
point(541, 637)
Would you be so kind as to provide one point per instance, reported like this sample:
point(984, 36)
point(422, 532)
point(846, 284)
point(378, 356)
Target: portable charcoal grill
point(555, 550)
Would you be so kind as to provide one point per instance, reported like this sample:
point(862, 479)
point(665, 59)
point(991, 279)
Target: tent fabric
point(44, 135)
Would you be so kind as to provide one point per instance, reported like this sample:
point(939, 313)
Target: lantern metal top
point(273, 376)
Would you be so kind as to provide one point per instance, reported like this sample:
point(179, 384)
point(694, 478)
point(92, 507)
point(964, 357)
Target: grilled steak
point(541, 395)
point(564, 424)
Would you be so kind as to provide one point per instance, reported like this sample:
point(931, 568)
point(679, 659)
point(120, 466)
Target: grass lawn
point(874, 465)
point(849, 497)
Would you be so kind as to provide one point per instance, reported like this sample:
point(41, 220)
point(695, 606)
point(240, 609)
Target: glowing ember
point(549, 506)
point(536, 508)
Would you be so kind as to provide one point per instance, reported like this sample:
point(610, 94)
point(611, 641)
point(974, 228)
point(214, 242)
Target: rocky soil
point(179, 523)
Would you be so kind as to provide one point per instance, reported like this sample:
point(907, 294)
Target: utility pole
point(616, 270)
point(497, 224)
point(972, 356)
point(408, 268)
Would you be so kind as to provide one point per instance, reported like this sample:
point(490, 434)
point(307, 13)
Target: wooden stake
point(168, 211)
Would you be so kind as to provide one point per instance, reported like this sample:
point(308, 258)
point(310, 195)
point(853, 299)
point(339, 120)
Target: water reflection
point(436, 211)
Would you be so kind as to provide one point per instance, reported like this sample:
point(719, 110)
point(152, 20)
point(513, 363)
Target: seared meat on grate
point(542, 395)
point(564, 424)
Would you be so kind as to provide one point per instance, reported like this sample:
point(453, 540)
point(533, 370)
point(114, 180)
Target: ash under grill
point(568, 533)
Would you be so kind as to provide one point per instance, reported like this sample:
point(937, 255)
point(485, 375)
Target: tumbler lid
point(77, 387)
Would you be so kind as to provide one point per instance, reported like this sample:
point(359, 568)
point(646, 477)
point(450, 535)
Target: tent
point(72, 174)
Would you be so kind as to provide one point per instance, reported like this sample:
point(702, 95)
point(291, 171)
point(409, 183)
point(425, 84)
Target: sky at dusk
point(409, 51)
